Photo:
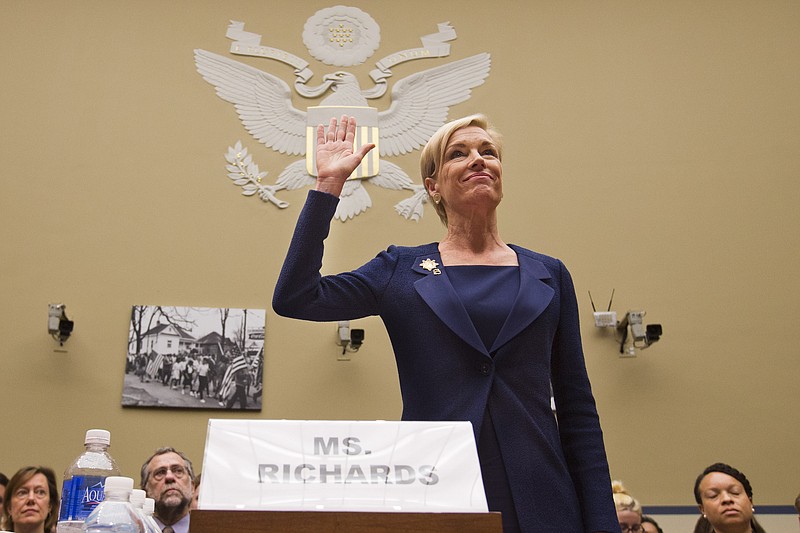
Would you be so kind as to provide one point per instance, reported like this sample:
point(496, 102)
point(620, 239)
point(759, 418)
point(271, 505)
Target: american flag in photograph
point(228, 381)
point(154, 364)
point(259, 367)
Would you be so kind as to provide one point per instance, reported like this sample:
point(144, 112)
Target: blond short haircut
point(433, 152)
point(624, 501)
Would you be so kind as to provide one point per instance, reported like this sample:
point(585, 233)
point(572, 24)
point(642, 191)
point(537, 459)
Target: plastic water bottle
point(82, 490)
point(115, 514)
point(148, 510)
point(137, 500)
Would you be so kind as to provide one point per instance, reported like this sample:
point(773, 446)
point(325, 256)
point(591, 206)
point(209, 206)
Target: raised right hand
point(336, 159)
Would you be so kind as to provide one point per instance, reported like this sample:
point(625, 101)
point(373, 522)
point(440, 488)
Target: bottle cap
point(98, 436)
point(118, 483)
point(137, 498)
point(149, 506)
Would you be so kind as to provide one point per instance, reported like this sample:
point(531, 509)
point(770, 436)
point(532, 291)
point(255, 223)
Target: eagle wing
point(295, 176)
point(263, 101)
point(353, 201)
point(420, 102)
point(391, 176)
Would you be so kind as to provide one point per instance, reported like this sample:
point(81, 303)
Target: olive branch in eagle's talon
point(246, 174)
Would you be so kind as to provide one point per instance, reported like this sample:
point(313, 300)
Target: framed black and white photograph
point(195, 358)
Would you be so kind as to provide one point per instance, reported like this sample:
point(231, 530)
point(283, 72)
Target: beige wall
point(653, 146)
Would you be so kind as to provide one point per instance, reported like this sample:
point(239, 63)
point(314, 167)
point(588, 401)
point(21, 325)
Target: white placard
point(341, 466)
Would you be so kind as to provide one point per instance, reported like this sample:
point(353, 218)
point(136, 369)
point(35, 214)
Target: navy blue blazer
point(556, 466)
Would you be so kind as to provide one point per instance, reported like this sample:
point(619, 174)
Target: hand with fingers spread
point(336, 159)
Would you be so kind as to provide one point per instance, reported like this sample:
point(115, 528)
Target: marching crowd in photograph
point(229, 379)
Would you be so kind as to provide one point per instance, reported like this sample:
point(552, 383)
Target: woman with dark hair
point(725, 499)
point(31, 503)
point(649, 525)
point(3, 483)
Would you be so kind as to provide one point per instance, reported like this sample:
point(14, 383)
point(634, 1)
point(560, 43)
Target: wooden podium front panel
point(206, 521)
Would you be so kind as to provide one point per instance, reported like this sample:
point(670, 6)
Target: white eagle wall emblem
point(263, 101)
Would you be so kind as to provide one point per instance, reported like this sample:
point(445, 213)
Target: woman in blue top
point(481, 329)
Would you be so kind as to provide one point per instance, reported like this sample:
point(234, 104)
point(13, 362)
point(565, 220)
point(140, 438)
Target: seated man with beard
point(168, 478)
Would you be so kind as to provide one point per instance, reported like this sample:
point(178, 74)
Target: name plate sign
point(368, 466)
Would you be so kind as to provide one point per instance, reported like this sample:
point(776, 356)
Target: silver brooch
point(431, 266)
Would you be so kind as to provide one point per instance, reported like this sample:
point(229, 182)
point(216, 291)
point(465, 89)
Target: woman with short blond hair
point(481, 329)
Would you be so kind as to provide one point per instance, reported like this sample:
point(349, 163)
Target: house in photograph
point(167, 339)
point(213, 345)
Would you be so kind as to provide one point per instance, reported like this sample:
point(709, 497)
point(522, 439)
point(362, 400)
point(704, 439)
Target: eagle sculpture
point(419, 106)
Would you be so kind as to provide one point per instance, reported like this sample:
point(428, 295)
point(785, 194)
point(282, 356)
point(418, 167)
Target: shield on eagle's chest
point(366, 132)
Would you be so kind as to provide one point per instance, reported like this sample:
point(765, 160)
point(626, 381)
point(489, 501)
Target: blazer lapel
point(437, 291)
point(532, 299)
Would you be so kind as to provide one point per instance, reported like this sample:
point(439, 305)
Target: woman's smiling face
point(471, 170)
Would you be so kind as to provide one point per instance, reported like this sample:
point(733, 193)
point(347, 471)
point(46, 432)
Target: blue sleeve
point(578, 421)
point(302, 292)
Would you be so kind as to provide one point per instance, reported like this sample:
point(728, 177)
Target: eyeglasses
point(633, 528)
point(177, 470)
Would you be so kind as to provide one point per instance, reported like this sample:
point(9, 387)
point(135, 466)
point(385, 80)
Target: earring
point(437, 198)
